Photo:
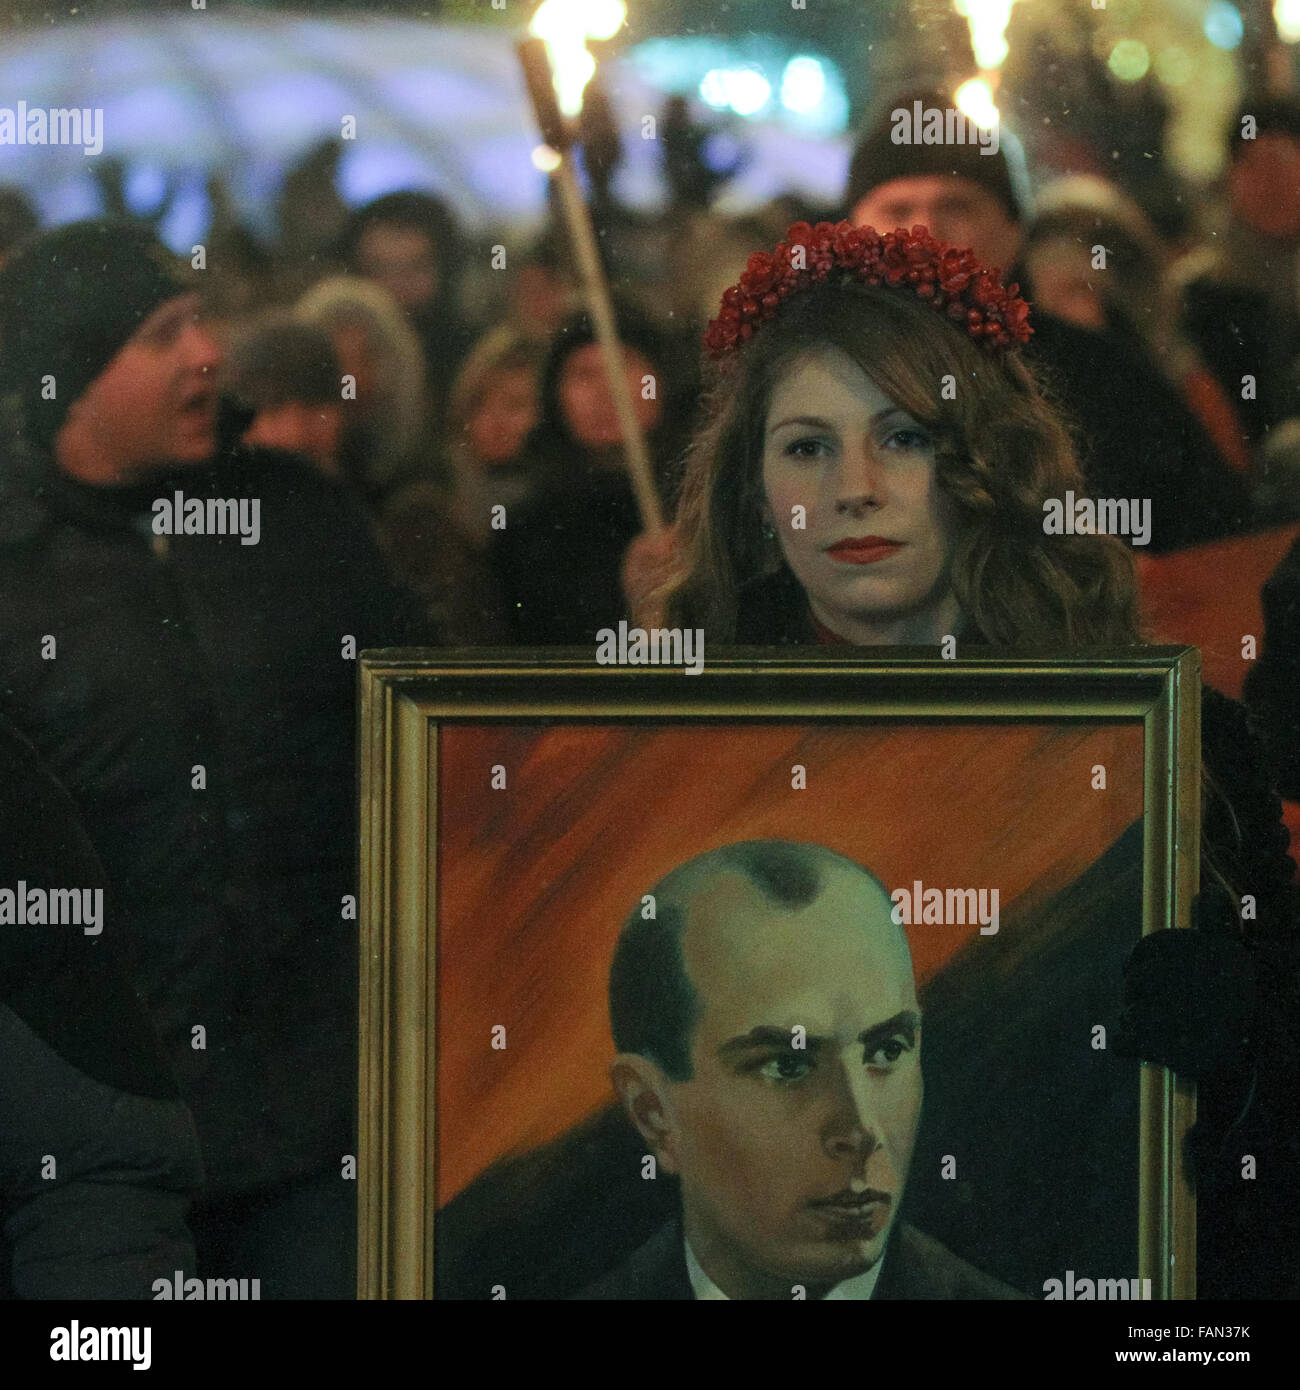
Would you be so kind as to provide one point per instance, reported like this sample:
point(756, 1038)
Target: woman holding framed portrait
point(879, 471)
point(879, 467)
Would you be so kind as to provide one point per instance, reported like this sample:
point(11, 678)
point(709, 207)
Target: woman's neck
point(927, 628)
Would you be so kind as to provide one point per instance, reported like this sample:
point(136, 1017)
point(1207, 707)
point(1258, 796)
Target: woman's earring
point(769, 531)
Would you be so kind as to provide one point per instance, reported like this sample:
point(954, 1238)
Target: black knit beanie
point(878, 159)
point(69, 300)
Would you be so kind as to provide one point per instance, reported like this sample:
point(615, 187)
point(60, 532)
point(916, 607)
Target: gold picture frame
point(407, 697)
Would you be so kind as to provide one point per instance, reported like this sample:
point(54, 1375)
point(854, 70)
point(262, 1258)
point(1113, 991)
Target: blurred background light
point(742, 90)
point(1174, 66)
point(1129, 60)
point(803, 85)
point(809, 88)
point(713, 89)
point(748, 91)
point(1223, 26)
point(1286, 15)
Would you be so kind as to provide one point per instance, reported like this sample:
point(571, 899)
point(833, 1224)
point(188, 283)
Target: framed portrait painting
point(796, 978)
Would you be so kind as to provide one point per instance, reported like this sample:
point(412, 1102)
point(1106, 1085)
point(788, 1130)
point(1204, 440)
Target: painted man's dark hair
point(652, 1006)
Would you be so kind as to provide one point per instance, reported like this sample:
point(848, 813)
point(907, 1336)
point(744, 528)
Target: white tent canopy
point(247, 94)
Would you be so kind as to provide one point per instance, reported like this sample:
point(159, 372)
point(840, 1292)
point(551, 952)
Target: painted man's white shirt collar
point(860, 1287)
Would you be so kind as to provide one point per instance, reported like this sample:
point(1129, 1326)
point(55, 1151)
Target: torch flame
point(565, 26)
point(988, 20)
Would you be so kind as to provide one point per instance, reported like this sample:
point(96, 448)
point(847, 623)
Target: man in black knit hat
point(1137, 438)
point(190, 680)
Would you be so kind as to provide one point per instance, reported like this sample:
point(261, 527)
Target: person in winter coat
point(1272, 689)
point(1135, 435)
point(98, 1153)
point(558, 559)
point(178, 640)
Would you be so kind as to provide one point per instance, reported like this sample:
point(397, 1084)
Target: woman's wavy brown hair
point(1001, 452)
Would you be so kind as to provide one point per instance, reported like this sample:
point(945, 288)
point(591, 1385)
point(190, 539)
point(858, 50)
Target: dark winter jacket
point(1240, 332)
point(196, 697)
point(557, 564)
point(1272, 690)
point(98, 1154)
point(1136, 436)
point(558, 560)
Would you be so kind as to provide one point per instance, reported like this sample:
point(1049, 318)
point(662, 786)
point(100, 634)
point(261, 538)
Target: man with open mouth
point(196, 697)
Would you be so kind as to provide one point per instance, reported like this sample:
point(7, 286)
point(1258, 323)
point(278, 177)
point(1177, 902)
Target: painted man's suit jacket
point(916, 1267)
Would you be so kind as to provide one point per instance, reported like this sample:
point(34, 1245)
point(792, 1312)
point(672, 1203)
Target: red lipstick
point(863, 550)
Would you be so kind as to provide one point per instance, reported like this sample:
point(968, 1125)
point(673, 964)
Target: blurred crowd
point(436, 377)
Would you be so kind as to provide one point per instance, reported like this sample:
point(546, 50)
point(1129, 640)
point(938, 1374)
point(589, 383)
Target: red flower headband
point(947, 279)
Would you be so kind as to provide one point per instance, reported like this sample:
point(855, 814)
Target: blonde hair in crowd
point(343, 302)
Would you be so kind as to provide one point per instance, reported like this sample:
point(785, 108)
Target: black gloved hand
point(1189, 1002)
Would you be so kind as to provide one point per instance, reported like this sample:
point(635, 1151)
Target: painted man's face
point(793, 1158)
